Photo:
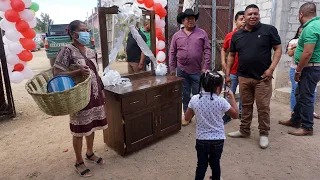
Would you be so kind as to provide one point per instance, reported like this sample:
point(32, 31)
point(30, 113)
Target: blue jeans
point(191, 83)
point(209, 151)
point(304, 108)
point(234, 85)
point(293, 90)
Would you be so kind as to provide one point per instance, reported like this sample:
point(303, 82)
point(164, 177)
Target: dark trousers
point(304, 108)
point(191, 83)
point(209, 151)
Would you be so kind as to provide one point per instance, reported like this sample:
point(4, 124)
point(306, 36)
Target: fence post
point(214, 35)
point(197, 6)
point(230, 17)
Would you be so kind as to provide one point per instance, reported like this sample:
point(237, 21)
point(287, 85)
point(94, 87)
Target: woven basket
point(59, 103)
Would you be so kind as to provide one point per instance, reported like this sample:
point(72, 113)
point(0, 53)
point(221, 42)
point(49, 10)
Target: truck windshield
point(58, 30)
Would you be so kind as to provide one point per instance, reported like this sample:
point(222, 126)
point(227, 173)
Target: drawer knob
point(156, 96)
point(176, 90)
point(134, 102)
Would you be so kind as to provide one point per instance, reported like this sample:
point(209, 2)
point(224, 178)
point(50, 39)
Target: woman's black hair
point(73, 26)
point(295, 37)
point(210, 81)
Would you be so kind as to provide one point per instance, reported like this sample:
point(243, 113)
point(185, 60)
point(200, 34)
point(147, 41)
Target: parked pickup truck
point(56, 37)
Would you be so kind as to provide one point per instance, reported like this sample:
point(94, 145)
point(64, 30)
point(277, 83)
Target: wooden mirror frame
point(102, 12)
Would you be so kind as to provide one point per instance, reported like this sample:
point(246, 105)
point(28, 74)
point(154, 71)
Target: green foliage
point(43, 22)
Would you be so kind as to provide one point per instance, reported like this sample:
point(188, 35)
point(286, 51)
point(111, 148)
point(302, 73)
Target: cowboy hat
point(186, 13)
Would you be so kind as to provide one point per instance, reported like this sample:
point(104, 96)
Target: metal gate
point(7, 109)
point(216, 18)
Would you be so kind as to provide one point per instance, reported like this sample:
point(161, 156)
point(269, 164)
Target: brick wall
point(265, 7)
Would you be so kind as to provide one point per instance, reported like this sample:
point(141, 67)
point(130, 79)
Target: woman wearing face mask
point(93, 117)
point(291, 48)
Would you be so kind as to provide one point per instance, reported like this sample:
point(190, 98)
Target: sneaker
point(236, 134)
point(264, 142)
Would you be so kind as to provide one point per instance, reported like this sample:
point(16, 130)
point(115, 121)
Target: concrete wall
point(286, 21)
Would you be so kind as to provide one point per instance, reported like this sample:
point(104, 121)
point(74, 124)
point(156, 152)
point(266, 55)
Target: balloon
point(5, 40)
point(1, 14)
point(12, 59)
point(6, 49)
point(162, 13)
point(163, 3)
point(24, 63)
point(161, 38)
point(161, 24)
point(35, 6)
point(140, 1)
point(32, 23)
point(12, 16)
point(30, 33)
point(157, 18)
point(18, 67)
point(148, 3)
point(161, 56)
point(27, 15)
point(17, 5)
point(27, 3)
point(28, 44)
point(27, 73)
point(5, 5)
point(6, 25)
point(157, 40)
point(158, 32)
point(161, 45)
point(10, 68)
point(16, 77)
point(25, 56)
point(157, 7)
point(15, 47)
point(13, 35)
point(22, 25)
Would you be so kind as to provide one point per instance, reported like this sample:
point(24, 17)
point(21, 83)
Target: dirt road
point(32, 145)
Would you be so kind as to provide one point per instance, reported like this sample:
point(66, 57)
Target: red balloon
point(159, 62)
point(161, 38)
point(158, 32)
point(157, 50)
point(30, 33)
point(140, 1)
point(157, 7)
point(22, 26)
point(162, 13)
point(18, 67)
point(148, 3)
point(12, 16)
point(25, 56)
point(28, 44)
point(18, 5)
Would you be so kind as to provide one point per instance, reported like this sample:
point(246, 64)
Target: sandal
point(316, 116)
point(100, 161)
point(85, 173)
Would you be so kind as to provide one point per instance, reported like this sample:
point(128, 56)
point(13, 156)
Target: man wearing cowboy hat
point(189, 46)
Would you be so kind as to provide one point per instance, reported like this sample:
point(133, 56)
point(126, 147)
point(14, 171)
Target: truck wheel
point(52, 60)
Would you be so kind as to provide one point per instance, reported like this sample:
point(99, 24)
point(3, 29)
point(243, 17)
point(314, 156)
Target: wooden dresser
point(141, 114)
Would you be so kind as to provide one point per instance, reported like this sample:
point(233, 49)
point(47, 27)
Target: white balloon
point(27, 3)
point(157, 18)
point(24, 63)
point(10, 68)
point(6, 49)
point(5, 40)
point(161, 24)
point(162, 2)
point(13, 35)
point(32, 23)
point(15, 47)
point(12, 59)
point(157, 40)
point(161, 56)
point(5, 5)
point(27, 73)
point(27, 15)
point(16, 77)
point(161, 45)
point(2, 14)
point(6, 25)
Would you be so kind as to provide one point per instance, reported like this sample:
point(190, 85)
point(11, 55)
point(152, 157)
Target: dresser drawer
point(133, 103)
point(156, 96)
point(174, 91)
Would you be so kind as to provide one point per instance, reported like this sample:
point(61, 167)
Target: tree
point(43, 22)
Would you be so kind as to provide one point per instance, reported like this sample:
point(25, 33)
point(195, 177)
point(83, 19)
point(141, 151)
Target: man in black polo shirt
point(253, 45)
point(135, 57)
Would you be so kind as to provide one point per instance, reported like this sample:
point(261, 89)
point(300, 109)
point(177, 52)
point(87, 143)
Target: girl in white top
point(209, 108)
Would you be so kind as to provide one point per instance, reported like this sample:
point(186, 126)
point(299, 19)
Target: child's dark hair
point(210, 81)
point(240, 13)
point(73, 27)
